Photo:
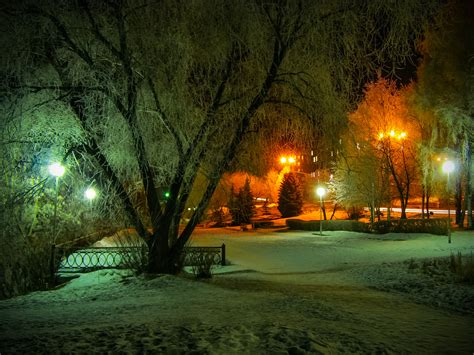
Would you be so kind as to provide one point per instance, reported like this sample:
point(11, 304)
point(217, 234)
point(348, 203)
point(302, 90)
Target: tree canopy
point(147, 96)
point(445, 93)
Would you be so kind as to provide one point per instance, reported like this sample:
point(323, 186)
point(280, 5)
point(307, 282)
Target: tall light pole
point(321, 191)
point(448, 167)
point(56, 170)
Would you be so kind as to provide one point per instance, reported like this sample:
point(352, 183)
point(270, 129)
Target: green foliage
point(241, 205)
point(290, 199)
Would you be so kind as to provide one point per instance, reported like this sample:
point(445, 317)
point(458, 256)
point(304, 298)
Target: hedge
point(432, 226)
point(336, 225)
point(436, 226)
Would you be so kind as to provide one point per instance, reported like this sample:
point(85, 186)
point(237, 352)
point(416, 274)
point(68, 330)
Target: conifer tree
point(290, 199)
point(241, 204)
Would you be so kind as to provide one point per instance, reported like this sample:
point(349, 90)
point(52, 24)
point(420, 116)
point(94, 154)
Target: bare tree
point(164, 92)
point(383, 122)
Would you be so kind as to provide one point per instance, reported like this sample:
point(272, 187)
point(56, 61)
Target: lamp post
point(448, 167)
point(56, 170)
point(321, 191)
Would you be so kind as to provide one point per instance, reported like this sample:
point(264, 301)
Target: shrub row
point(432, 226)
point(336, 225)
point(436, 226)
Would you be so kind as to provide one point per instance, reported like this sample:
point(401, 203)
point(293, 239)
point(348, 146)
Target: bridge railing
point(67, 258)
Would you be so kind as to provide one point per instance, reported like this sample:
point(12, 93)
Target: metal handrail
point(77, 259)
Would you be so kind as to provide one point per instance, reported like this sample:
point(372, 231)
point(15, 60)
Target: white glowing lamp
point(56, 169)
point(90, 193)
point(320, 191)
point(448, 166)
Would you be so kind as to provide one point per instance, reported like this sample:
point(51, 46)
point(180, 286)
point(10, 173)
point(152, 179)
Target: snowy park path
point(290, 292)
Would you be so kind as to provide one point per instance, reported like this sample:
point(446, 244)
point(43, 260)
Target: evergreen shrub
point(241, 205)
point(290, 199)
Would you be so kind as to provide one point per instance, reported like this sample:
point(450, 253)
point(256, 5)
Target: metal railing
point(217, 254)
point(76, 259)
point(93, 258)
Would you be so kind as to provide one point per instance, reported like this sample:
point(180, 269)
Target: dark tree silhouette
point(290, 199)
point(242, 207)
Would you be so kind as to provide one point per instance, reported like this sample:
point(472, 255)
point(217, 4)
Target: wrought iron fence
point(93, 258)
point(75, 259)
point(216, 254)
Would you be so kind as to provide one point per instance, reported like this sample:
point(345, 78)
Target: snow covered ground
point(284, 292)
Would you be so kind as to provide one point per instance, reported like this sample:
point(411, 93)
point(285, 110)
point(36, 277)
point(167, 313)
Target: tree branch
point(164, 118)
point(96, 30)
point(67, 38)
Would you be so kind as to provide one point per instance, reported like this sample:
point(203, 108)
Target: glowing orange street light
point(392, 134)
point(287, 160)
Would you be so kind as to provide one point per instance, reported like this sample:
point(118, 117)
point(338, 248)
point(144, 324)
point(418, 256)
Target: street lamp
point(90, 193)
point(321, 191)
point(56, 170)
point(287, 160)
point(448, 167)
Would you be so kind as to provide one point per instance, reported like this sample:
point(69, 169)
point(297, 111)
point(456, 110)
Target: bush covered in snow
point(338, 225)
point(436, 226)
